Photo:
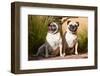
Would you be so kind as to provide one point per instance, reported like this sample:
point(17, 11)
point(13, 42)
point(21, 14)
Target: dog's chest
point(53, 39)
point(71, 39)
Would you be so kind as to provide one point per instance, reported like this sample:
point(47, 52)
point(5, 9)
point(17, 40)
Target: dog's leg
point(61, 50)
point(64, 47)
point(76, 47)
point(40, 50)
point(46, 51)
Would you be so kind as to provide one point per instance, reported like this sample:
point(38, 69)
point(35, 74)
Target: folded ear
point(77, 23)
point(50, 23)
point(68, 22)
point(64, 19)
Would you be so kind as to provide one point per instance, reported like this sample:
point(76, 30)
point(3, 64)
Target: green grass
point(83, 41)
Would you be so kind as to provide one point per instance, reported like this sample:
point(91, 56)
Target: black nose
point(54, 27)
point(72, 26)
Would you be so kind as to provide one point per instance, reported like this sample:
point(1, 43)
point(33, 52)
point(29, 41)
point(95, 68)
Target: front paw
point(46, 56)
point(62, 55)
point(76, 53)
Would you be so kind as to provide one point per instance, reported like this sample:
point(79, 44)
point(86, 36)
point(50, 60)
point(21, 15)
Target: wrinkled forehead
point(72, 23)
point(53, 24)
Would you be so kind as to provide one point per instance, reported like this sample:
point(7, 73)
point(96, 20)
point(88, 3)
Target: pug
point(53, 43)
point(70, 38)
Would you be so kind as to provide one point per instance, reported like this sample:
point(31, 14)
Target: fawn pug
point(70, 38)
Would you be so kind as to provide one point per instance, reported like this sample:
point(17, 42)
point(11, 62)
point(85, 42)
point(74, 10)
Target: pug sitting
point(70, 38)
point(53, 43)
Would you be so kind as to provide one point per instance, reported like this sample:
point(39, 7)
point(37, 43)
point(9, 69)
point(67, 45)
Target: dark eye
point(53, 25)
point(75, 25)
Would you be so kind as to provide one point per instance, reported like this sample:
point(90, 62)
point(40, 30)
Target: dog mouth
point(52, 28)
point(73, 28)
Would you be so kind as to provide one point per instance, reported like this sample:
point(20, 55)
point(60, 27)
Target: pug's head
point(72, 26)
point(53, 28)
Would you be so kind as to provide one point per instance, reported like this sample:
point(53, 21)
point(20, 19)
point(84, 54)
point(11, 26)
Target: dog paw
point(76, 53)
point(62, 55)
point(46, 56)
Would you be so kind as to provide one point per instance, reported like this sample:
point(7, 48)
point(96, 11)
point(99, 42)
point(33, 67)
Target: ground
point(80, 56)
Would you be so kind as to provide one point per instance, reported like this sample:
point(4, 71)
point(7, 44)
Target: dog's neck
point(70, 32)
point(52, 32)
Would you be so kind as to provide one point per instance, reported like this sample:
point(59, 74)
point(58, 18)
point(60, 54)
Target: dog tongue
point(49, 28)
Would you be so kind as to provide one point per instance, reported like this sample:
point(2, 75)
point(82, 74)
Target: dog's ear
point(77, 23)
point(49, 24)
point(64, 19)
point(68, 22)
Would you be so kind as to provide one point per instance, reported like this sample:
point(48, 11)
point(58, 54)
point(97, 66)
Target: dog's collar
point(72, 32)
point(55, 32)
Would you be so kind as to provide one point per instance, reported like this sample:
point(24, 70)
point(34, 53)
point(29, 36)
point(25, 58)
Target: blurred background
point(38, 26)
